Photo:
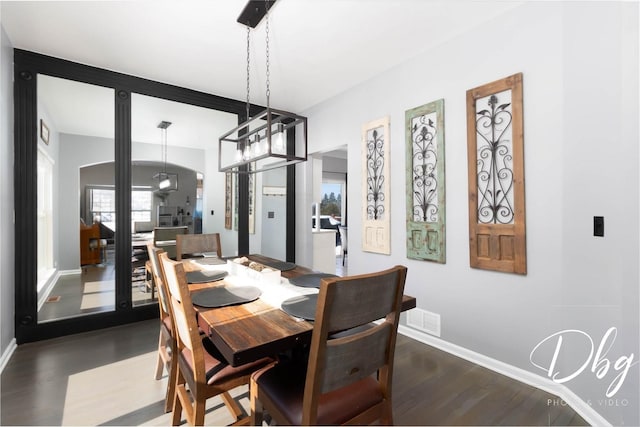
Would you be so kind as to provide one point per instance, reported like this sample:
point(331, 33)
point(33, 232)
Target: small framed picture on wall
point(44, 132)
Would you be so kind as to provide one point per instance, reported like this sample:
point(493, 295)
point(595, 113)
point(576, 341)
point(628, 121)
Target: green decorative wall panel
point(424, 127)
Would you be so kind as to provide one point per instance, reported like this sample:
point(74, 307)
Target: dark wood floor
point(90, 291)
point(106, 378)
point(432, 387)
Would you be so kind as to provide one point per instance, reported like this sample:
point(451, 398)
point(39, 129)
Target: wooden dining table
point(249, 331)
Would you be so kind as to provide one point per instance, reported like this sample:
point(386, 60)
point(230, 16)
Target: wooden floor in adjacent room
point(106, 378)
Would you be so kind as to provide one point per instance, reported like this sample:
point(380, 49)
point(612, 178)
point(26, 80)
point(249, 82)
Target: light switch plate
point(598, 226)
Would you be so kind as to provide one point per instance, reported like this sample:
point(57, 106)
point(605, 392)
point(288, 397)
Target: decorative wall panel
point(376, 222)
point(424, 127)
point(235, 202)
point(495, 149)
point(228, 200)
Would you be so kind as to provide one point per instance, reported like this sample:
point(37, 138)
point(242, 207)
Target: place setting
point(304, 306)
point(311, 280)
point(301, 306)
point(219, 296)
point(222, 296)
point(205, 276)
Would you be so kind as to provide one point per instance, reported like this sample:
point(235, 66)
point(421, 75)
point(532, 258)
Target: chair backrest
point(346, 303)
point(343, 237)
point(142, 226)
point(164, 237)
point(197, 243)
point(168, 233)
point(184, 315)
point(158, 278)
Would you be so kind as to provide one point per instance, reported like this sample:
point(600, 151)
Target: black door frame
point(27, 66)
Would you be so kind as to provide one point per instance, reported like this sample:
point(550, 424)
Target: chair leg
point(171, 384)
point(176, 414)
point(199, 409)
point(242, 422)
point(177, 402)
point(160, 363)
point(387, 415)
point(232, 405)
point(256, 405)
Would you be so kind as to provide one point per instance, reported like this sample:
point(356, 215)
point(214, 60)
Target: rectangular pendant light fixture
point(270, 139)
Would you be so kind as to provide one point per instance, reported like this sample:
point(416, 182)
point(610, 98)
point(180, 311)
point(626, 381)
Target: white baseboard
point(586, 411)
point(46, 291)
point(6, 355)
point(70, 272)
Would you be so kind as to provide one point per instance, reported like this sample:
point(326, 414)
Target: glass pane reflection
point(76, 268)
point(185, 152)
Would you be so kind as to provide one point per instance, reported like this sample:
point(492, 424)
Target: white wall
point(580, 67)
point(75, 151)
point(600, 152)
point(273, 230)
point(7, 234)
point(214, 197)
point(80, 150)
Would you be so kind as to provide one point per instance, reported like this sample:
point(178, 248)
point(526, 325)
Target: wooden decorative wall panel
point(495, 149)
point(424, 127)
point(376, 223)
point(228, 200)
point(232, 180)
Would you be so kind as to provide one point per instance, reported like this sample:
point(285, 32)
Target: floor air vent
point(424, 321)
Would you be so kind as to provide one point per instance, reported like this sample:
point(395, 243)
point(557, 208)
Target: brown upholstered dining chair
point(166, 340)
point(347, 378)
point(193, 244)
point(202, 371)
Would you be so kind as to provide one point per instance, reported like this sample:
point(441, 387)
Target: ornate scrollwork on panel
point(375, 174)
point(495, 160)
point(376, 215)
point(425, 178)
point(425, 160)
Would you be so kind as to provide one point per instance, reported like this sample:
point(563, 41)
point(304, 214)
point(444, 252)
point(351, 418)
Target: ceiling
point(318, 49)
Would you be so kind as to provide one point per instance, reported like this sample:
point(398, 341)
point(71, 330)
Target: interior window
point(103, 206)
point(141, 205)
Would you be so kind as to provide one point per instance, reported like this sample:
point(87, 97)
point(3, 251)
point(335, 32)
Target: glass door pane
point(174, 144)
point(76, 199)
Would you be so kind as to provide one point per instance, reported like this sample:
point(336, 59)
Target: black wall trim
point(291, 214)
point(62, 68)
point(27, 66)
point(243, 202)
point(122, 166)
point(25, 185)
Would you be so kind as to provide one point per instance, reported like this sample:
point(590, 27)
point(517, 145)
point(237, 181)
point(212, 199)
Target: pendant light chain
point(164, 132)
point(164, 148)
point(266, 5)
point(248, 69)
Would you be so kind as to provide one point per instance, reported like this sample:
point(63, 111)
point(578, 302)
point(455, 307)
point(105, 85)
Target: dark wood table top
point(253, 330)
